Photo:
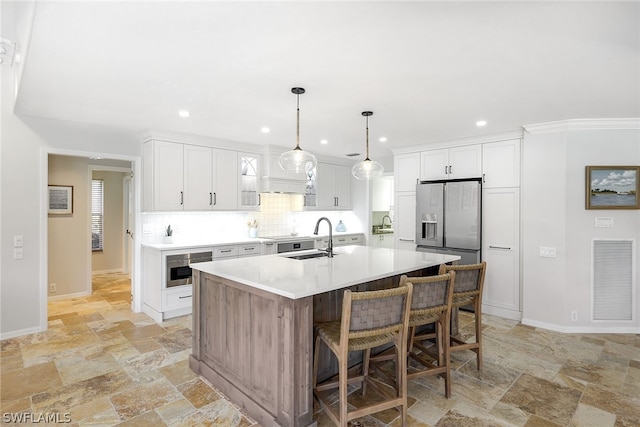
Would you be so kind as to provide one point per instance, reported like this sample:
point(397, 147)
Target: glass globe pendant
point(297, 160)
point(367, 169)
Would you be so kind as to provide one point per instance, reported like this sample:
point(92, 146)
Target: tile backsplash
point(279, 214)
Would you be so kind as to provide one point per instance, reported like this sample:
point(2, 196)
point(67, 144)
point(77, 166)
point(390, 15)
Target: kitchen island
point(253, 321)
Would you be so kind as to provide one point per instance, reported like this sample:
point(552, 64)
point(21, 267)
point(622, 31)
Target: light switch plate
point(147, 229)
point(547, 252)
point(18, 241)
point(604, 222)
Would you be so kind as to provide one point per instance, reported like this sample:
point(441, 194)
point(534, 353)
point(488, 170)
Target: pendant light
point(297, 160)
point(367, 168)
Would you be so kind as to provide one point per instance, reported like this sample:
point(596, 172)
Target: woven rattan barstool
point(369, 319)
point(468, 291)
point(430, 305)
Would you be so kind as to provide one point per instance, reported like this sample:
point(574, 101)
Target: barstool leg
point(365, 369)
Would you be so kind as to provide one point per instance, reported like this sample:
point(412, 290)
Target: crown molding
point(456, 142)
point(583, 124)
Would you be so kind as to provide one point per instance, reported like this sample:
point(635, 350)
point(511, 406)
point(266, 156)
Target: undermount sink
point(383, 231)
point(311, 255)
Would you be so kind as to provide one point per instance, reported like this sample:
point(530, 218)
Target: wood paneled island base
point(256, 346)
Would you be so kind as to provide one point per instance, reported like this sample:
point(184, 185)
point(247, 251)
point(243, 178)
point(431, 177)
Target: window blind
point(97, 214)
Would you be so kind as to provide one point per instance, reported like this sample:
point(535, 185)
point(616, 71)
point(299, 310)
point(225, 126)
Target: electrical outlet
point(18, 253)
point(574, 316)
point(147, 229)
point(53, 287)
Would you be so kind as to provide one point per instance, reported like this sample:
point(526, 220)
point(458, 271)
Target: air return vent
point(613, 276)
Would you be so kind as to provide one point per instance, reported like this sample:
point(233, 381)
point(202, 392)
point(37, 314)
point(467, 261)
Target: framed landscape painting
point(612, 187)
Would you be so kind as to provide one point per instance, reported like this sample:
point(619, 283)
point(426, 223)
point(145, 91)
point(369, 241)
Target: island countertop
point(296, 279)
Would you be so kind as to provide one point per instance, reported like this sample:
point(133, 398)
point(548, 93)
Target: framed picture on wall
point(60, 199)
point(613, 187)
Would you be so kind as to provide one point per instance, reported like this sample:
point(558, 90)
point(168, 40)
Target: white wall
point(23, 177)
point(554, 215)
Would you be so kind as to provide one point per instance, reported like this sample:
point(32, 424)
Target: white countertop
point(219, 241)
point(295, 279)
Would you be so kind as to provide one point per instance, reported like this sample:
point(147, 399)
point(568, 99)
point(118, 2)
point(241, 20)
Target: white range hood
point(277, 180)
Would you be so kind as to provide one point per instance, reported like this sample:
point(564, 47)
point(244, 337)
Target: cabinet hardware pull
point(499, 247)
point(182, 197)
point(450, 169)
point(188, 296)
point(259, 199)
point(215, 199)
point(445, 170)
point(484, 175)
point(226, 250)
point(406, 240)
point(210, 199)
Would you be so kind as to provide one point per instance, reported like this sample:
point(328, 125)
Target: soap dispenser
point(340, 227)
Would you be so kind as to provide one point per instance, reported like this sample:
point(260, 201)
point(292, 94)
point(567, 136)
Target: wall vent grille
point(613, 277)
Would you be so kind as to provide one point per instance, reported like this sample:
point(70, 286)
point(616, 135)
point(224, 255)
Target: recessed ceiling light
point(265, 129)
point(183, 113)
point(324, 142)
point(481, 122)
point(383, 139)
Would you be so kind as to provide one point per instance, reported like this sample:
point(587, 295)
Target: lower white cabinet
point(405, 221)
point(340, 240)
point(161, 302)
point(501, 251)
point(382, 241)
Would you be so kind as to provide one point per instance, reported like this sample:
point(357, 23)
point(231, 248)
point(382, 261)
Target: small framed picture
point(612, 187)
point(60, 199)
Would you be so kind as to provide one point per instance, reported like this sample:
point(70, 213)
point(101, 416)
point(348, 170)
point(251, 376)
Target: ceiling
point(428, 70)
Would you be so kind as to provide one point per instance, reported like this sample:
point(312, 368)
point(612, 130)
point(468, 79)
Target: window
point(97, 214)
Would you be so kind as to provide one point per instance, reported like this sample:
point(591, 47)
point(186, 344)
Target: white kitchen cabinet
point(339, 240)
point(333, 187)
point(501, 164)
point(405, 220)
point(159, 301)
point(198, 170)
point(382, 241)
point(210, 179)
point(406, 171)
point(249, 184)
point(501, 251)
point(451, 163)
point(382, 193)
point(164, 173)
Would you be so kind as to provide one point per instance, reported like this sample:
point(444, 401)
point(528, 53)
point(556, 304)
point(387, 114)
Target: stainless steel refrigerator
point(448, 218)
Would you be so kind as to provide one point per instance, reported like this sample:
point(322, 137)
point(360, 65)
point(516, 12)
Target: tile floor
point(100, 364)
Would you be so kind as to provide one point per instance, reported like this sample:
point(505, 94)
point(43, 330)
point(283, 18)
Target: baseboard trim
point(115, 270)
point(20, 332)
point(582, 329)
point(67, 296)
point(502, 312)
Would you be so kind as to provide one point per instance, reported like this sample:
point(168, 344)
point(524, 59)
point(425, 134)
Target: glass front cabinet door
point(249, 180)
point(311, 190)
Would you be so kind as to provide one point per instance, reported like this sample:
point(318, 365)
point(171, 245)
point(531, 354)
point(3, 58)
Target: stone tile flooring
point(100, 364)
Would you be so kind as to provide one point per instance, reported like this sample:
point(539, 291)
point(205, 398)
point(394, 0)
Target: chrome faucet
point(330, 246)
point(386, 216)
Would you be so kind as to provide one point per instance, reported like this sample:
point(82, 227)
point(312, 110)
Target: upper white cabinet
point(451, 163)
point(382, 193)
point(163, 164)
point(189, 177)
point(249, 180)
point(332, 187)
point(501, 164)
point(406, 171)
point(210, 179)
